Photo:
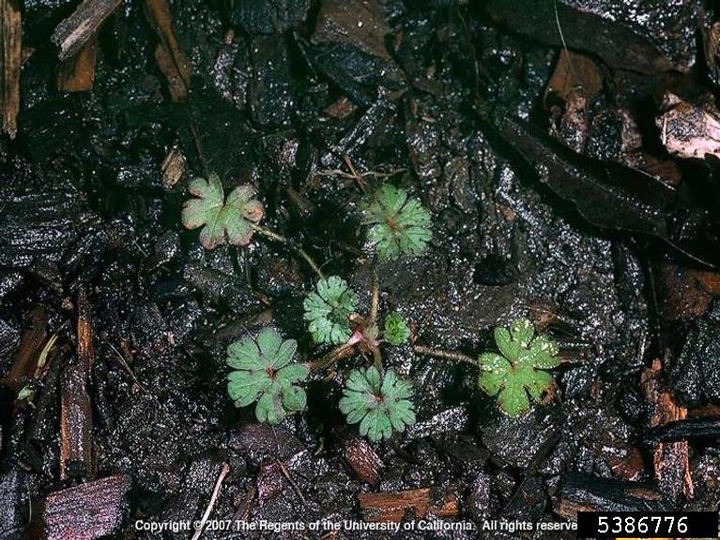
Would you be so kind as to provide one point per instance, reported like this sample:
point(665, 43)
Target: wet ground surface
point(314, 108)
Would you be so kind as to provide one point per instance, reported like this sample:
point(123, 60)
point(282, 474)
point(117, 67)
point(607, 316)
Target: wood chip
point(76, 458)
point(77, 74)
point(85, 333)
point(398, 505)
point(362, 459)
point(31, 344)
point(173, 168)
point(73, 33)
point(574, 74)
point(87, 511)
point(585, 493)
point(685, 294)
point(10, 64)
point(170, 59)
point(671, 464)
point(687, 130)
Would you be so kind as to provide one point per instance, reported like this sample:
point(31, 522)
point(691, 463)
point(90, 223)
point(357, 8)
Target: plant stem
point(374, 299)
point(333, 356)
point(280, 238)
point(445, 355)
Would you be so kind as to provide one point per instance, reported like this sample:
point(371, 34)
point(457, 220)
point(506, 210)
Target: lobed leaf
point(222, 219)
point(396, 330)
point(398, 226)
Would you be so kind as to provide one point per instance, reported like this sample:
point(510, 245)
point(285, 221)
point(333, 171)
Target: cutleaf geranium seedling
point(519, 371)
point(398, 225)
point(396, 330)
point(327, 311)
point(221, 218)
point(381, 403)
point(266, 374)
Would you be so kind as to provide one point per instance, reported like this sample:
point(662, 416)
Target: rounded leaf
point(522, 331)
point(294, 399)
point(269, 409)
point(508, 347)
point(513, 399)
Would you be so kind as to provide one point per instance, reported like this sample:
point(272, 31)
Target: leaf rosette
point(399, 225)
point(265, 373)
point(518, 374)
point(222, 219)
point(327, 310)
point(381, 404)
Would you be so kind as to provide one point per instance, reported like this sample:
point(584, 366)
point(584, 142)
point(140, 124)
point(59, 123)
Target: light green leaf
point(508, 347)
point(379, 402)
point(327, 310)
point(513, 398)
point(396, 330)
point(398, 226)
point(263, 373)
point(221, 219)
point(269, 409)
point(518, 372)
point(522, 331)
point(294, 399)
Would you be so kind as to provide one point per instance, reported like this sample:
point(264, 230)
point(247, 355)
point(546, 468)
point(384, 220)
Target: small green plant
point(327, 311)
point(399, 226)
point(221, 218)
point(396, 330)
point(519, 371)
point(380, 403)
point(265, 373)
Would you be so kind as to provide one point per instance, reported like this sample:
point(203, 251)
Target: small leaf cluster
point(398, 225)
point(265, 372)
point(396, 330)
point(518, 373)
point(327, 310)
point(222, 219)
point(381, 403)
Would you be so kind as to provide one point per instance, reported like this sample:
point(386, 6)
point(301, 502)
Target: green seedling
point(518, 373)
point(266, 374)
point(396, 331)
point(380, 403)
point(327, 311)
point(398, 225)
point(223, 219)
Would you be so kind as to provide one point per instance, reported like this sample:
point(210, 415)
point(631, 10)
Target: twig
point(445, 355)
point(292, 483)
point(223, 473)
point(280, 238)
point(332, 356)
point(374, 299)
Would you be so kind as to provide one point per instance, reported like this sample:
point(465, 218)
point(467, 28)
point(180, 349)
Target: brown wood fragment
point(31, 344)
point(397, 505)
point(88, 511)
point(574, 74)
point(85, 333)
point(688, 130)
point(358, 22)
point(77, 74)
point(73, 33)
point(685, 294)
point(170, 59)
point(173, 168)
point(671, 463)
point(75, 424)
point(585, 493)
point(10, 64)
point(340, 109)
point(362, 459)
